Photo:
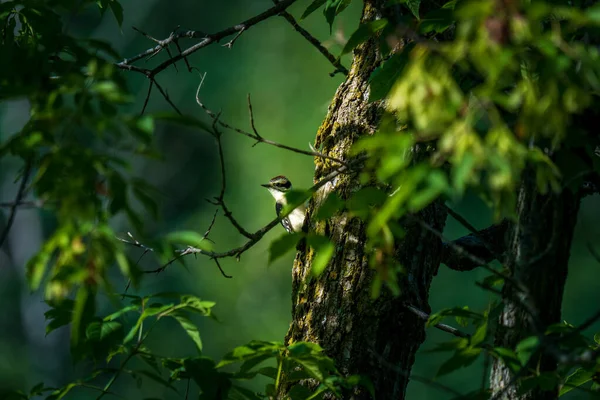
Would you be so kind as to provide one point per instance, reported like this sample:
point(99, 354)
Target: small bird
point(278, 186)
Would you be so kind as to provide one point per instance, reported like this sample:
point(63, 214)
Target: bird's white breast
point(297, 218)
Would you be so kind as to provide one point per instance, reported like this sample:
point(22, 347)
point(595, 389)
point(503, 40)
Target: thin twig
point(13, 208)
point(221, 269)
point(23, 204)
point(443, 327)
point(229, 44)
point(256, 136)
point(220, 200)
point(315, 42)
point(166, 96)
point(147, 97)
point(251, 114)
point(206, 41)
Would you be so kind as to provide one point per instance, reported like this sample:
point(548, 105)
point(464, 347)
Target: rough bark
point(537, 258)
point(376, 338)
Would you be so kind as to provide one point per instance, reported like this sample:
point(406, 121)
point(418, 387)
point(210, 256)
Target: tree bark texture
point(377, 338)
point(537, 258)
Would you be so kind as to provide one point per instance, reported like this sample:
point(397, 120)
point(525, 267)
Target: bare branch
point(251, 114)
point(23, 204)
point(255, 135)
point(229, 44)
point(13, 208)
point(221, 269)
point(315, 42)
point(220, 201)
point(147, 97)
point(165, 95)
point(206, 41)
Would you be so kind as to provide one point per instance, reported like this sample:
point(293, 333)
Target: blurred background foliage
point(291, 89)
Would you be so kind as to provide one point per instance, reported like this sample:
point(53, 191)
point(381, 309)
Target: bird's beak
point(267, 185)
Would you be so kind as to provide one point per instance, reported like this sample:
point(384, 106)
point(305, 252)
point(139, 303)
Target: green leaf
point(193, 303)
point(576, 379)
point(117, 11)
point(413, 6)
point(83, 310)
point(509, 358)
point(214, 385)
point(252, 350)
point(240, 393)
point(149, 311)
point(36, 267)
point(480, 334)
point(437, 21)
point(190, 238)
point(294, 199)
point(191, 329)
point(324, 250)
point(314, 363)
point(364, 199)
point(363, 33)
point(436, 184)
point(59, 315)
point(460, 359)
point(314, 6)
point(285, 243)
point(253, 362)
point(437, 317)
point(462, 173)
point(462, 320)
point(383, 78)
point(100, 331)
point(332, 204)
point(526, 347)
point(62, 392)
point(333, 8)
point(124, 310)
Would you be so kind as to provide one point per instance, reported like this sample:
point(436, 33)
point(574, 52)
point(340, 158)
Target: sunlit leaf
point(190, 328)
point(314, 6)
point(333, 8)
point(332, 204)
point(363, 33)
point(324, 250)
point(576, 379)
point(285, 243)
point(190, 238)
point(460, 359)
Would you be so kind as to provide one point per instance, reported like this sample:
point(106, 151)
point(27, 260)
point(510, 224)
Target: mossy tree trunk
point(537, 259)
point(377, 338)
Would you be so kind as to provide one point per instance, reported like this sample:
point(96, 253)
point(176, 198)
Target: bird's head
point(278, 186)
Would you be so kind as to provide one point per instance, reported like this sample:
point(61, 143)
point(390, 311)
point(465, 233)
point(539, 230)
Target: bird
point(278, 187)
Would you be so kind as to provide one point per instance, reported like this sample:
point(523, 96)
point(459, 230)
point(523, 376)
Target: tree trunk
point(377, 338)
point(537, 258)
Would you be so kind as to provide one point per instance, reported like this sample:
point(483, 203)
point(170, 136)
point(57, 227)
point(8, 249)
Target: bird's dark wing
point(286, 221)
